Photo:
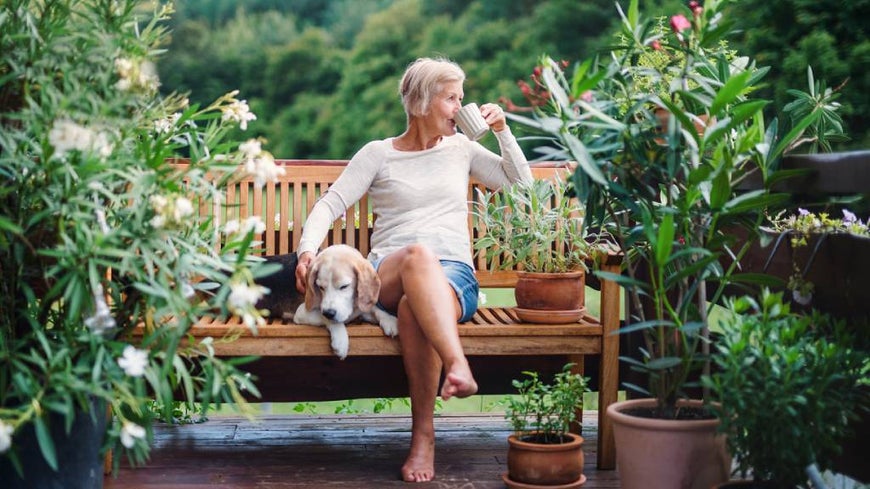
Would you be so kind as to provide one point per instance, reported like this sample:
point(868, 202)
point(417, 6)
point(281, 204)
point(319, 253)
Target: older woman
point(417, 183)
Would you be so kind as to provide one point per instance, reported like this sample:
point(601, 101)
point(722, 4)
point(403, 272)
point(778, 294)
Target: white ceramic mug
point(471, 122)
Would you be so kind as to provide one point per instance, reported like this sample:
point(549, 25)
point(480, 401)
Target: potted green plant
point(785, 386)
point(811, 244)
point(537, 228)
point(543, 451)
point(99, 234)
point(670, 198)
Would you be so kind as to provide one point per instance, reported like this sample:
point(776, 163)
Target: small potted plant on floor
point(538, 227)
point(543, 451)
point(785, 387)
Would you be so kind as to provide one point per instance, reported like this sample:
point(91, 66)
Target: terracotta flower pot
point(667, 454)
point(550, 297)
point(537, 464)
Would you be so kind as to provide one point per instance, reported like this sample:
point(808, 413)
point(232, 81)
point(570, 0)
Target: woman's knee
point(418, 257)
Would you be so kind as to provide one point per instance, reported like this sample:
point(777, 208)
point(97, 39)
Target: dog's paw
point(338, 340)
point(388, 323)
point(304, 316)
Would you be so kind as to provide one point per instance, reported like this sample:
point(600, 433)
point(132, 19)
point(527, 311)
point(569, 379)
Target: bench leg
point(609, 371)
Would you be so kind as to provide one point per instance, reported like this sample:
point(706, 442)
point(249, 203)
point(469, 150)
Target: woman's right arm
point(350, 186)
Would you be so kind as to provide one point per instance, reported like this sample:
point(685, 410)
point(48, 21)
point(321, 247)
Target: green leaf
point(721, 190)
point(665, 242)
point(9, 226)
point(732, 89)
point(664, 363)
point(585, 162)
point(46, 443)
point(755, 200)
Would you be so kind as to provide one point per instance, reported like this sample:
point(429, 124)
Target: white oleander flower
point(263, 168)
point(253, 224)
point(238, 111)
point(130, 432)
point(133, 75)
point(66, 135)
point(5, 436)
point(183, 208)
point(134, 361)
point(170, 212)
point(231, 227)
point(102, 318)
point(165, 125)
point(244, 296)
point(251, 148)
point(481, 298)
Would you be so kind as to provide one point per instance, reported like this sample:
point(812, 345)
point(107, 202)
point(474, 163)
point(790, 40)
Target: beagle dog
point(342, 286)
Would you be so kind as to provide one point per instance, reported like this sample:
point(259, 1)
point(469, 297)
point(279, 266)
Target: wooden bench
point(297, 363)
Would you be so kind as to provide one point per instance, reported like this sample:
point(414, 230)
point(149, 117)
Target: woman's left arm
point(496, 171)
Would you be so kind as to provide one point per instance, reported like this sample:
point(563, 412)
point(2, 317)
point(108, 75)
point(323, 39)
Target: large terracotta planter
point(667, 454)
point(545, 465)
point(550, 297)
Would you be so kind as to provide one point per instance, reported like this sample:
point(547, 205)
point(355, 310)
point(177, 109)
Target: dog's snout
point(328, 313)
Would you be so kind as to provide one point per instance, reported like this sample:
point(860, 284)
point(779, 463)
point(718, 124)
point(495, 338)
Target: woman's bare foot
point(420, 464)
point(459, 383)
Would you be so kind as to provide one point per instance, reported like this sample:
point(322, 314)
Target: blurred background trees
point(322, 75)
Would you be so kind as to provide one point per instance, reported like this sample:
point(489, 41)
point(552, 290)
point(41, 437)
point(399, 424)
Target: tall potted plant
point(99, 235)
point(785, 388)
point(669, 196)
point(543, 452)
point(538, 227)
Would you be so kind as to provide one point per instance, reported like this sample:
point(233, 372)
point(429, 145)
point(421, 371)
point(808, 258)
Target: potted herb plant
point(785, 387)
point(543, 451)
point(670, 199)
point(539, 228)
point(99, 235)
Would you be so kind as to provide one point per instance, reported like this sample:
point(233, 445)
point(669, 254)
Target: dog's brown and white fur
point(342, 286)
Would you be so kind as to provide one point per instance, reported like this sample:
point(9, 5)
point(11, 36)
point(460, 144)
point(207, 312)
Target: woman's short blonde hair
point(423, 80)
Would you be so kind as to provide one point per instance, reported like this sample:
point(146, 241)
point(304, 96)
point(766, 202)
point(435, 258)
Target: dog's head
point(341, 282)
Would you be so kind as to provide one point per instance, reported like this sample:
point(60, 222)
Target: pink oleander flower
point(679, 23)
point(656, 45)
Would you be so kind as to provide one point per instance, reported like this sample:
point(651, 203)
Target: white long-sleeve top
point(417, 196)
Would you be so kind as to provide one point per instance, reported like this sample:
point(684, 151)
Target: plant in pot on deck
point(543, 451)
point(669, 197)
point(538, 227)
point(99, 235)
point(785, 387)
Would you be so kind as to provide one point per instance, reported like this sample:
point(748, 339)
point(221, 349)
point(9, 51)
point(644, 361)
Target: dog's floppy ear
point(312, 291)
point(368, 285)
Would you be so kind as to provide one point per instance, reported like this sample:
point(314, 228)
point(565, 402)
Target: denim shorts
point(461, 277)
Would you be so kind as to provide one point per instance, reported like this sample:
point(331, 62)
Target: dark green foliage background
point(322, 75)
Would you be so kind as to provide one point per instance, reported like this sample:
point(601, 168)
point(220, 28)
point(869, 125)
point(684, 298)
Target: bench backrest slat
point(284, 205)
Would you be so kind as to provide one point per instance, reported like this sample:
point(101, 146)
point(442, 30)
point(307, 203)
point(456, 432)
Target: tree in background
point(829, 35)
point(322, 74)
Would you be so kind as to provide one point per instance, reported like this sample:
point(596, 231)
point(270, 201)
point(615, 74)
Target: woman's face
point(444, 107)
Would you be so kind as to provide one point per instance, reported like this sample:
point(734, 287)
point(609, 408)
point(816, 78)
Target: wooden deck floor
point(359, 451)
